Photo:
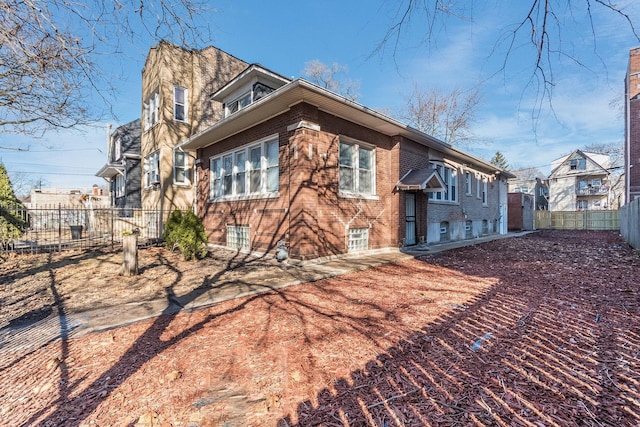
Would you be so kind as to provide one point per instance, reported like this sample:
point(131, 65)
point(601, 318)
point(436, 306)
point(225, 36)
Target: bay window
point(249, 170)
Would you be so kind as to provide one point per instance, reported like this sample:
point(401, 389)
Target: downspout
point(627, 172)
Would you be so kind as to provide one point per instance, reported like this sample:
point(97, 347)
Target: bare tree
point(615, 151)
point(540, 29)
point(49, 77)
point(445, 115)
point(527, 174)
point(329, 77)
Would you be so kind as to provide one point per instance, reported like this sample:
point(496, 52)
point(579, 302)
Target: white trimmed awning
point(110, 170)
point(427, 180)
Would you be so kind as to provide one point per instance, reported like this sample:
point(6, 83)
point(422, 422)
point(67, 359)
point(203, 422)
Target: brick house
point(123, 170)
point(176, 84)
point(580, 181)
point(632, 127)
point(537, 188)
point(295, 162)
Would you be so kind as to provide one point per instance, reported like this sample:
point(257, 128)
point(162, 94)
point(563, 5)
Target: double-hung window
point(180, 104)
point(485, 200)
point(357, 169)
point(152, 110)
point(152, 168)
point(467, 182)
point(250, 170)
point(450, 177)
point(180, 167)
point(119, 190)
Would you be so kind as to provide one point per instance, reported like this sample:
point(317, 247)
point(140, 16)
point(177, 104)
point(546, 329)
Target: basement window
point(358, 239)
point(238, 236)
point(444, 231)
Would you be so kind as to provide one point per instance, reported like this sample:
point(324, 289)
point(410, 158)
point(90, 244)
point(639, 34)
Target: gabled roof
point(250, 73)
point(300, 90)
point(427, 180)
point(601, 161)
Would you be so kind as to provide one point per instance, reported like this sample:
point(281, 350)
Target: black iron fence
point(58, 228)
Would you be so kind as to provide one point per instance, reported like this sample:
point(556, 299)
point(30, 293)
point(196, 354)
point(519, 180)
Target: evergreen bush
point(12, 223)
point(185, 232)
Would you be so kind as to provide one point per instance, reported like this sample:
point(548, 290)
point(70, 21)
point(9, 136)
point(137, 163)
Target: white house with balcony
point(580, 181)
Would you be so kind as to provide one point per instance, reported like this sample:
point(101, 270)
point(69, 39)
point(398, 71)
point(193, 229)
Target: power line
point(52, 173)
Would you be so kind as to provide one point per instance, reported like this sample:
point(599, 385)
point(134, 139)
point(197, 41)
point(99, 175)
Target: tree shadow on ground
point(552, 346)
point(73, 405)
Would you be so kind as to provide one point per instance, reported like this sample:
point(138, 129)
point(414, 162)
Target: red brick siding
point(309, 213)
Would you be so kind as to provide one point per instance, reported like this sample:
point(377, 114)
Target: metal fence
point(578, 220)
point(58, 228)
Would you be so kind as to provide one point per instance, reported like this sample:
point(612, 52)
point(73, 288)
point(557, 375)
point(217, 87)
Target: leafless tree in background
point(329, 77)
point(540, 30)
point(615, 151)
point(50, 53)
point(445, 115)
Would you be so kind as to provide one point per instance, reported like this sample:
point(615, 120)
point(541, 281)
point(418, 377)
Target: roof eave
point(297, 91)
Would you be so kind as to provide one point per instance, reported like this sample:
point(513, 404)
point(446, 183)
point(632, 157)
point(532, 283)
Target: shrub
point(185, 232)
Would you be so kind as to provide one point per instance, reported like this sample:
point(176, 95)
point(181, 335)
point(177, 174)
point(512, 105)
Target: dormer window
point(239, 104)
point(251, 85)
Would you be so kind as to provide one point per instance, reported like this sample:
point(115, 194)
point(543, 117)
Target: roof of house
point(427, 179)
point(300, 90)
point(601, 161)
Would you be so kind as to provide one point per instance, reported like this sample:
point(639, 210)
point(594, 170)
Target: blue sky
point(283, 36)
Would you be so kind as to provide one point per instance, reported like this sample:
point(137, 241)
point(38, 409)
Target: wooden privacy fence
point(578, 220)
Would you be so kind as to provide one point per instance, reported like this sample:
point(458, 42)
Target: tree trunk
point(130, 254)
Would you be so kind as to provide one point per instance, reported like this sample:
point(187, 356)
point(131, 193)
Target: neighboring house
point(536, 187)
point(123, 169)
point(52, 198)
point(580, 181)
point(293, 162)
point(632, 127)
point(176, 88)
point(521, 211)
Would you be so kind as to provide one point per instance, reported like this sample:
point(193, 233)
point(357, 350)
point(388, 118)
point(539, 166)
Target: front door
point(410, 219)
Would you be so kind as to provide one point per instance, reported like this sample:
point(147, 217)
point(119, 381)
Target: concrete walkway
point(27, 338)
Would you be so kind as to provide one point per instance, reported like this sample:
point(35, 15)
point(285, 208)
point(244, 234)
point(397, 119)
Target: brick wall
point(308, 212)
point(632, 152)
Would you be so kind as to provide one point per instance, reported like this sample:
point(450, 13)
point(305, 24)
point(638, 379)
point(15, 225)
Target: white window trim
point(119, 186)
point(117, 148)
point(468, 182)
point(485, 192)
point(152, 110)
point(186, 168)
point(151, 164)
point(355, 194)
point(184, 105)
point(227, 110)
point(452, 197)
point(247, 195)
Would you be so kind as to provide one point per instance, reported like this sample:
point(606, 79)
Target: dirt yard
point(542, 330)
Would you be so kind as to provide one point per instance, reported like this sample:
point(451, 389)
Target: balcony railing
point(592, 191)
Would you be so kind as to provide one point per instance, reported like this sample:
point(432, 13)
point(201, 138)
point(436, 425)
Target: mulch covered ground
point(542, 330)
